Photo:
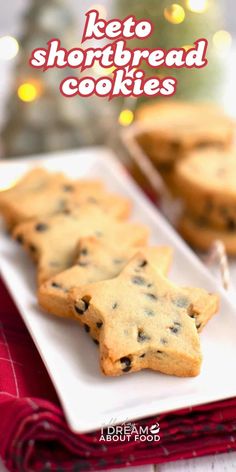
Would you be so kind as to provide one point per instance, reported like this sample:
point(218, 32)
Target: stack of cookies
point(206, 181)
point(96, 267)
point(191, 147)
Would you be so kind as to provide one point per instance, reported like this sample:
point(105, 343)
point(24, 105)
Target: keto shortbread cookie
point(33, 183)
point(201, 236)
point(41, 193)
point(52, 241)
point(143, 322)
point(115, 205)
point(98, 259)
point(168, 131)
point(207, 183)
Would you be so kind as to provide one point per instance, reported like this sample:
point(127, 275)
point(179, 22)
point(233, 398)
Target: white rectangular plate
point(89, 399)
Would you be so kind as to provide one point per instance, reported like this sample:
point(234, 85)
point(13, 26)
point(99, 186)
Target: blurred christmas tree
point(179, 25)
point(39, 118)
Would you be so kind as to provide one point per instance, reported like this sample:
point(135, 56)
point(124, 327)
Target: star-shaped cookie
point(98, 259)
point(144, 321)
point(52, 241)
point(40, 193)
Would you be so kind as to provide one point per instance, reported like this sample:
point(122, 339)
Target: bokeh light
point(27, 92)
point(9, 48)
point(197, 6)
point(126, 117)
point(101, 71)
point(222, 40)
point(174, 13)
point(186, 47)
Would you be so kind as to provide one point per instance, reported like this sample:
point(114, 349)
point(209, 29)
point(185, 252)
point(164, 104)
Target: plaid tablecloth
point(34, 435)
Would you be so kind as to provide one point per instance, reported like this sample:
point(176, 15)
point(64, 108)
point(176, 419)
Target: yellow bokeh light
point(99, 70)
point(100, 8)
point(186, 47)
point(222, 40)
point(9, 48)
point(27, 92)
point(126, 117)
point(174, 13)
point(197, 6)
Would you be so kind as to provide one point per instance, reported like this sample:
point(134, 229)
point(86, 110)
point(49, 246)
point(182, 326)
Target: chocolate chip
point(115, 305)
point(143, 263)
point(96, 341)
point(81, 306)
point(142, 337)
point(163, 341)
point(165, 166)
point(159, 352)
point(99, 324)
point(84, 251)
point(231, 224)
point(87, 328)
point(82, 264)
point(142, 355)
point(56, 285)
point(20, 239)
point(127, 362)
point(151, 296)
point(181, 302)
point(138, 280)
point(198, 325)
point(68, 188)
point(66, 211)
point(118, 261)
point(32, 248)
point(175, 329)
point(40, 227)
point(149, 312)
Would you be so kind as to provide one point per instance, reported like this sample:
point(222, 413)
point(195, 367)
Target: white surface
point(69, 355)
point(219, 463)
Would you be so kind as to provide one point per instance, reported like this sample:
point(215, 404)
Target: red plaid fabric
point(34, 434)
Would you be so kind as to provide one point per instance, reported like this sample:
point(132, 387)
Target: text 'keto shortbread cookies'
point(145, 321)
